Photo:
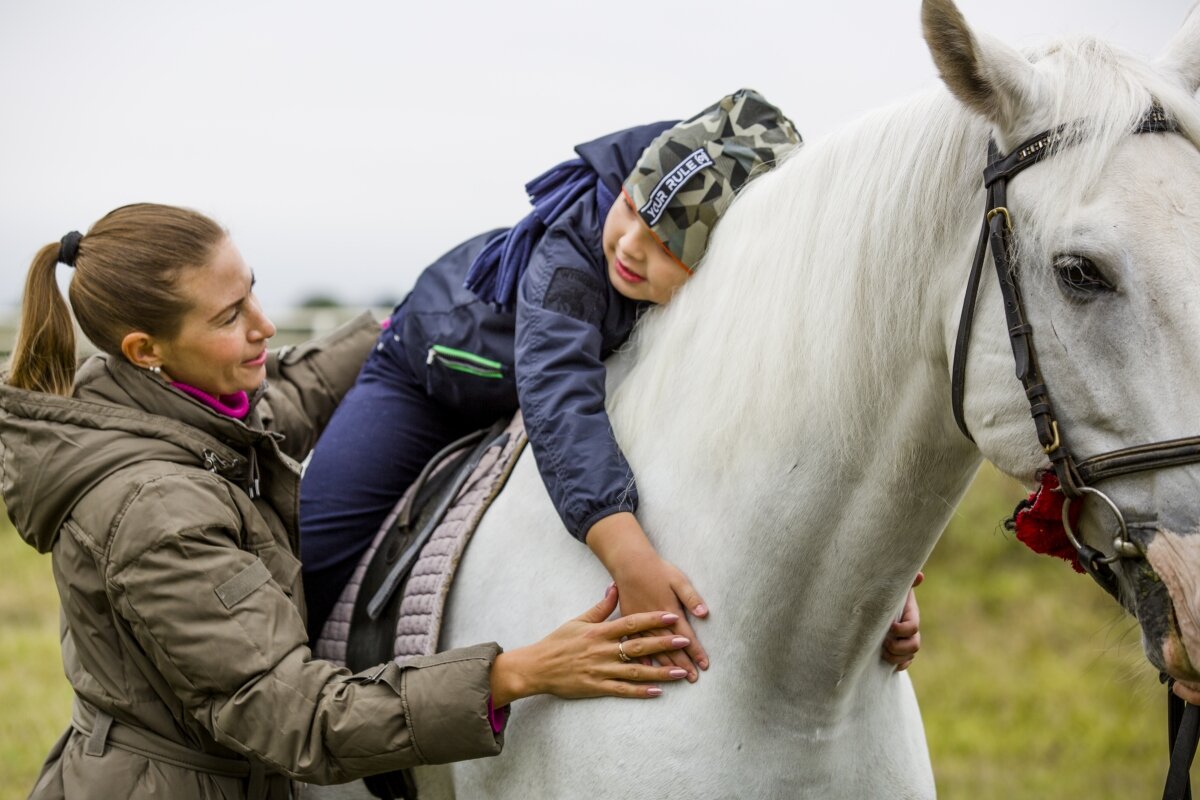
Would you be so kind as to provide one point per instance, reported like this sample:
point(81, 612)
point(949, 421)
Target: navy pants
point(382, 434)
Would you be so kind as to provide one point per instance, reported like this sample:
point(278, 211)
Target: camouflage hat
point(688, 176)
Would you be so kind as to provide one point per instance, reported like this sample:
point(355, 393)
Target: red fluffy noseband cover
point(1038, 522)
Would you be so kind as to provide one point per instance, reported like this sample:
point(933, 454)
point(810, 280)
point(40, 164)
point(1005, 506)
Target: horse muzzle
point(1166, 588)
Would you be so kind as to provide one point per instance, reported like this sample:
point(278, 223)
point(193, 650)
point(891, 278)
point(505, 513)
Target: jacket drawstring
point(252, 490)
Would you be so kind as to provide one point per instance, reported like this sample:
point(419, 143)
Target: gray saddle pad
point(423, 598)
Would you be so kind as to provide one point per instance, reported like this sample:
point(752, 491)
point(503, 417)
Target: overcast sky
point(347, 145)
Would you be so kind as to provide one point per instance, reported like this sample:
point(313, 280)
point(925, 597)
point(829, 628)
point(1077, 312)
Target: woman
point(163, 478)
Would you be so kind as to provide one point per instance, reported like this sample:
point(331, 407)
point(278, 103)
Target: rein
point(1074, 476)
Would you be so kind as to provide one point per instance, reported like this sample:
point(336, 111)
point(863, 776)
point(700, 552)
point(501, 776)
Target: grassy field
point(1032, 682)
point(35, 701)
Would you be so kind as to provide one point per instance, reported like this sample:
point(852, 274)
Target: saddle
point(392, 607)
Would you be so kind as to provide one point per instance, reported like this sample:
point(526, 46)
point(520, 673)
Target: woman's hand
point(583, 658)
point(903, 638)
point(646, 582)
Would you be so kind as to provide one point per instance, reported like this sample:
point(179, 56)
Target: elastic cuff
point(580, 533)
point(497, 716)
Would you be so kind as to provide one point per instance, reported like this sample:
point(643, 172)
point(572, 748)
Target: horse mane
point(805, 271)
point(817, 288)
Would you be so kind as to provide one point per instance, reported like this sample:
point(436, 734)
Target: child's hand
point(651, 583)
point(903, 638)
point(648, 583)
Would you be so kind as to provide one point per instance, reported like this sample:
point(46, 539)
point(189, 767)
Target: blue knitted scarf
point(496, 271)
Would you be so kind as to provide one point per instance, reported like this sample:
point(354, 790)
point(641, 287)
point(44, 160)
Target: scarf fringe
point(497, 270)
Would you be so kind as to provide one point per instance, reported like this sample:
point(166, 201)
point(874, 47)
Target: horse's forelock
point(1106, 92)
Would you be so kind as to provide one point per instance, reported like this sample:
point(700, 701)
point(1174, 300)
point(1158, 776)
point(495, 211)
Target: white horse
point(788, 417)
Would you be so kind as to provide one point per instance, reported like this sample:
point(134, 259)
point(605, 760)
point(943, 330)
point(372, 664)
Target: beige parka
point(172, 530)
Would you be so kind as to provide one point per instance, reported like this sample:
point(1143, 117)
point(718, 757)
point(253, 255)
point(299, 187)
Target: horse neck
point(795, 393)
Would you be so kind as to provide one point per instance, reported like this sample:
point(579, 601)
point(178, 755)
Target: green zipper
point(462, 361)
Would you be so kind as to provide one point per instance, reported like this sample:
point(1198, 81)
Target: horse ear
point(990, 78)
point(1183, 53)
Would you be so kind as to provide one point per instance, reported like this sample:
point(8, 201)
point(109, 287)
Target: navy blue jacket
point(548, 356)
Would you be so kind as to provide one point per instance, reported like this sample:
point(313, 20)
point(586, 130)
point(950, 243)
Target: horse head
point(1101, 235)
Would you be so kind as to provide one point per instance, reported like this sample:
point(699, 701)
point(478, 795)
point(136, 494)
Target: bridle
point(1075, 477)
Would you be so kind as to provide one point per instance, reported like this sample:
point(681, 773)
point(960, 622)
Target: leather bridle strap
point(997, 230)
point(1183, 731)
point(1172, 453)
point(998, 170)
point(958, 376)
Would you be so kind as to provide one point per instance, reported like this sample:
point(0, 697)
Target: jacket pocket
point(472, 384)
point(467, 363)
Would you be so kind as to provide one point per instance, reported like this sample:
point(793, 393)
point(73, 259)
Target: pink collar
point(231, 405)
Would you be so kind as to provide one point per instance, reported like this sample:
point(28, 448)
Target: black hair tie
point(68, 248)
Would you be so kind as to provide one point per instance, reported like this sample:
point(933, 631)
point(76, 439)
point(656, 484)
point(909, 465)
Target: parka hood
point(614, 156)
point(54, 449)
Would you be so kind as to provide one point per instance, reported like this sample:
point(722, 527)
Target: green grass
point(35, 699)
point(1032, 681)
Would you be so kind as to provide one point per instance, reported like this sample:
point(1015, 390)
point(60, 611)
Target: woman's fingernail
point(702, 663)
point(654, 691)
point(681, 641)
point(700, 610)
point(678, 673)
point(612, 587)
point(670, 618)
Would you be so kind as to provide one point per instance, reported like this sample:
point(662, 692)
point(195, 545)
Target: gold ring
point(621, 653)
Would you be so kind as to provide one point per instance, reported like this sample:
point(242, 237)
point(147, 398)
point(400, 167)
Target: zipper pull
point(432, 355)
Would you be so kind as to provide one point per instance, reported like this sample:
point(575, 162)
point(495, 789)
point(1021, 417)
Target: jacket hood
point(614, 156)
point(54, 449)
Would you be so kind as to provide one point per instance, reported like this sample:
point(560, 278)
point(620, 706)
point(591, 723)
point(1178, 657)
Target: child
point(526, 316)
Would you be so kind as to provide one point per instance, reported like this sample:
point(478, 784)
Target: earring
point(157, 370)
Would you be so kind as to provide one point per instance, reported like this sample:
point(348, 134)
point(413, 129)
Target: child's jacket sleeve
point(567, 322)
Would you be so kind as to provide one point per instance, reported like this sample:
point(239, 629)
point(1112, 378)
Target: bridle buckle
point(1056, 442)
point(1004, 211)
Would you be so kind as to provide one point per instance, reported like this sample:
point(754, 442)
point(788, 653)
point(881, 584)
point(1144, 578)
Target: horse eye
point(1080, 277)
